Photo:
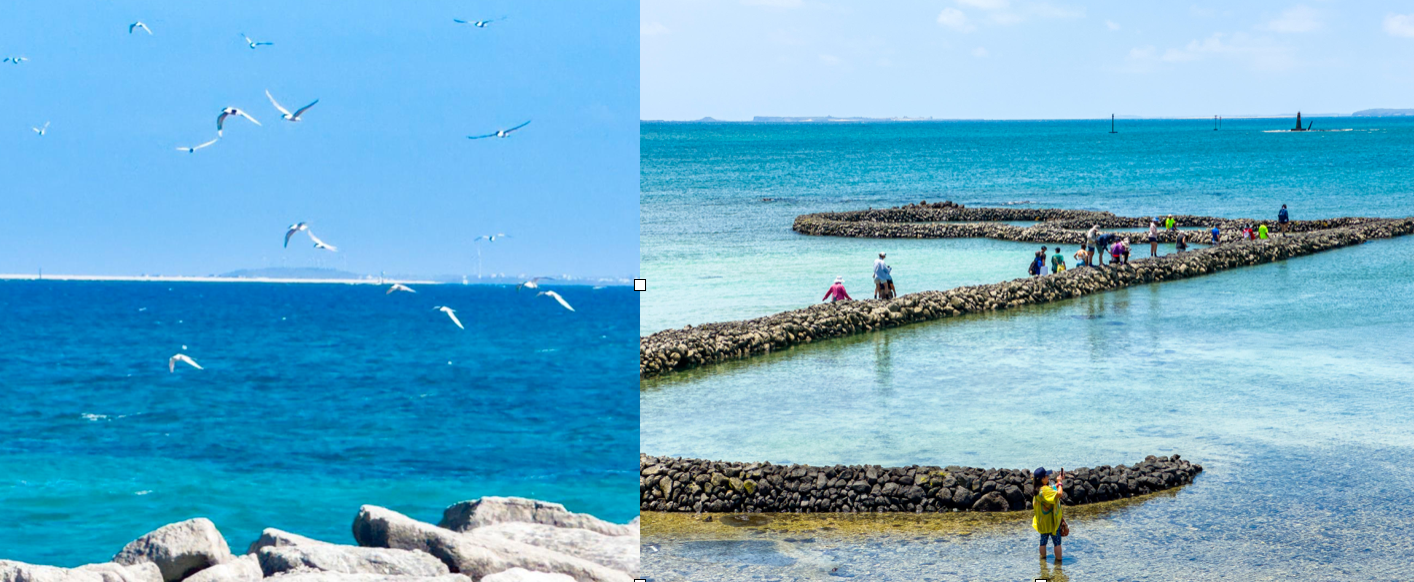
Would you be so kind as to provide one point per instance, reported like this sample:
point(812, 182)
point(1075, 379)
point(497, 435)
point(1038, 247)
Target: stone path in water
point(689, 347)
point(691, 485)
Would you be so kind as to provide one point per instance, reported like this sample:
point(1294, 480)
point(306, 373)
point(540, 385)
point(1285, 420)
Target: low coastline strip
point(675, 350)
point(671, 484)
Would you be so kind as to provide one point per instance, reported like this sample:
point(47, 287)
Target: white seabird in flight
point(450, 313)
point(14, 60)
point(192, 149)
point(285, 113)
point(41, 130)
point(227, 112)
point(294, 228)
point(500, 133)
point(477, 23)
point(137, 25)
point(399, 287)
point(491, 237)
point(557, 297)
point(183, 358)
point(254, 44)
point(319, 244)
point(533, 283)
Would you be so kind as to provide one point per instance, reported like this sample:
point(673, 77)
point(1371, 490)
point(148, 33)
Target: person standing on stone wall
point(883, 279)
point(1092, 238)
point(1282, 218)
point(1082, 257)
point(1046, 515)
point(1215, 236)
point(1153, 238)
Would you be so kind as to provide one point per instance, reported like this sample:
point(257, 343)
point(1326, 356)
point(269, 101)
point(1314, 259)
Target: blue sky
point(1021, 59)
point(381, 167)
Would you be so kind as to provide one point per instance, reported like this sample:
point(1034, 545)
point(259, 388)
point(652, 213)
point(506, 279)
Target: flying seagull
point(294, 228)
point(227, 112)
point(533, 283)
point(41, 130)
point(14, 60)
point(450, 313)
point(491, 237)
point(319, 244)
point(183, 358)
point(556, 297)
point(137, 25)
point(192, 149)
point(400, 287)
point(477, 23)
point(254, 44)
point(285, 113)
point(501, 133)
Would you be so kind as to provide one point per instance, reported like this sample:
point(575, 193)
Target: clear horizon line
point(905, 118)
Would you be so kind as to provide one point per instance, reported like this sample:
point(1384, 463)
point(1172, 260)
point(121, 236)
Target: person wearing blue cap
point(1046, 509)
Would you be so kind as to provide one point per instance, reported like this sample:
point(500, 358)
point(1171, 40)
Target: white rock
point(469, 515)
point(523, 575)
point(242, 569)
point(617, 552)
point(179, 550)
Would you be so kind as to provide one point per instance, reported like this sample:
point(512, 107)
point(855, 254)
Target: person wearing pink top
point(837, 291)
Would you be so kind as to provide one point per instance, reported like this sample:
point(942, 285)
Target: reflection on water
point(1289, 382)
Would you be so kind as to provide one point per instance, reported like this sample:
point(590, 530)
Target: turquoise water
point(314, 400)
point(1289, 382)
point(708, 240)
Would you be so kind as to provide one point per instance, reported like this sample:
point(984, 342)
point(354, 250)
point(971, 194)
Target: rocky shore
point(492, 539)
point(691, 485)
point(674, 350)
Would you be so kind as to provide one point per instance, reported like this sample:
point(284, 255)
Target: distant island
point(1383, 113)
point(772, 119)
point(294, 273)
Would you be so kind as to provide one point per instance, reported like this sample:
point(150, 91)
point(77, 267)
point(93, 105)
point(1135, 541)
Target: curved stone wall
point(691, 485)
point(673, 350)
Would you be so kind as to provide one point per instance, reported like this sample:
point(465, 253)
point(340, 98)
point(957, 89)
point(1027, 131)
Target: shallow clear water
point(702, 213)
point(1288, 382)
point(315, 399)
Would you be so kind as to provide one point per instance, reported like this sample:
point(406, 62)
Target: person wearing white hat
point(837, 292)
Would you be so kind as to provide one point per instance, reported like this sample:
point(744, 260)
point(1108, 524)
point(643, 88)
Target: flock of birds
point(296, 116)
point(284, 113)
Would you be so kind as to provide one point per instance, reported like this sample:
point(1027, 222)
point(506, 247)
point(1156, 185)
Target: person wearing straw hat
point(837, 292)
point(1046, 517)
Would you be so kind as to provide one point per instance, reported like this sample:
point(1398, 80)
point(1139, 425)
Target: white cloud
point(1296, 19)
point(1112, 25)
point(830, 60)
point(1400, 25)
point(1006, 18)
point(980, 52)
point(1142, 53)
point(775, 3)
point(985, 4)
point(1259, 53)
point(955, 19)
point(1045, 10)
point(653, 29)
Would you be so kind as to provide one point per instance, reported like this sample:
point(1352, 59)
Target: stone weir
point(691, 485)
point(674, 350)
point(1053, 225)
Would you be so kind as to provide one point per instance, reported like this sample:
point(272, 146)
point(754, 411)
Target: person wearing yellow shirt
point(1262, 231)
point(1046, 509)
point(1169, 223)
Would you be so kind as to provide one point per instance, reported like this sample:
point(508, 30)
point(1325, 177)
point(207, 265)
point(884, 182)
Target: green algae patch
point(675, 526)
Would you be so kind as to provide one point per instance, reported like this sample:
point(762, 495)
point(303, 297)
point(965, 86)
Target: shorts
point(1282, 220)
point(1153, 239)
point(1055, 537)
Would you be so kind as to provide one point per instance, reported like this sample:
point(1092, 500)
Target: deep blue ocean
point(1290, 382)
point(314, 400)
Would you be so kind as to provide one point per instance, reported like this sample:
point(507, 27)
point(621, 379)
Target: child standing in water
point(1046, 509)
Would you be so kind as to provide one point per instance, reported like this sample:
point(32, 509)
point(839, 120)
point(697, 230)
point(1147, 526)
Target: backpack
point(1031, 270)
